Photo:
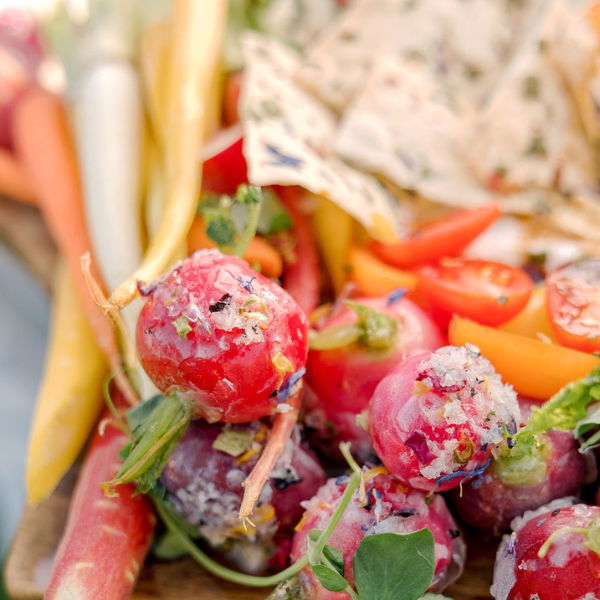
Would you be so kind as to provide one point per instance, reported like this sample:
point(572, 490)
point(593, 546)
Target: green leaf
point(392, 566)
point(288, 590)
point(333, 555)
point(168, 546)
point(330, 579)
point(233, 442)
point(138, 413)
point(249, 194)
point(567, 410)
point(273, 216)
point(221, 230)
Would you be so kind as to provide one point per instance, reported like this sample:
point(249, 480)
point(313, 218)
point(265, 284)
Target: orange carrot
point(44, 146)
point(13, 179)
point(259, 251)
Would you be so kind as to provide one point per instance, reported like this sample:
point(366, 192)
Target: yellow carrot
point(197, 33)
point(333, 232)
point(374, 277)
point(70, 397)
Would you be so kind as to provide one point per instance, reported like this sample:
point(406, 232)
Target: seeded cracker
point(407, 126)
point(444, 36)
point(288, 138)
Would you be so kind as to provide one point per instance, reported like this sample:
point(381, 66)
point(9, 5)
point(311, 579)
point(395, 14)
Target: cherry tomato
point(573, 304)
point(487, 292)
point(533, 320)
point(533, 368)
point(448, 237)
point(224, 166)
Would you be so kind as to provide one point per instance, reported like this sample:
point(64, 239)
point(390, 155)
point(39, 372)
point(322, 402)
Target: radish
point(344, 377)
point(226, 344)
point(389, 507)
point(436, 418)
point(203, 479)
point(552, 468)
point(552, 554)
point(226, 339)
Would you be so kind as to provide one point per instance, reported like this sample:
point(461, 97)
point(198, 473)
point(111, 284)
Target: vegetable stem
point(251, 580)
point(220, 571)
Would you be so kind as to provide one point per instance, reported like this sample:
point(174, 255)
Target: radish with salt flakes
point(437, 418)
point(389, 508)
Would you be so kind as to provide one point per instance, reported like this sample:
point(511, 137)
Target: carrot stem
point(283, 425)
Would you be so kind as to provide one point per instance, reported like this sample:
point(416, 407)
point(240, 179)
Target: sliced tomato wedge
point(535, 369)
point(487, 292)
point(448, 237)
point(573, 302)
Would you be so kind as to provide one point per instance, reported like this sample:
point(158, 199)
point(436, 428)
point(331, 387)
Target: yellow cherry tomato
point(535, 369)
point(532, 321)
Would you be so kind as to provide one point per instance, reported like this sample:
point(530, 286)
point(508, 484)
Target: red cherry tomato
point(487, 292)
point(448, 237)
point(573, 302)
point(224, 166)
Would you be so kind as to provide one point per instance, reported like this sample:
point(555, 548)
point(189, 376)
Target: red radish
point(301, 278)
point(551, 555)
point(507, 491)
point(344, 378)
point(226, 339)
point(390, 507)
point(437, 417)
point(106, 539)
point(203, 479)
point(553, 469)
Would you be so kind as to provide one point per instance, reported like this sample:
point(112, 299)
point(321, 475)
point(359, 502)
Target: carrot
point(13, 179)
point(70, 398)
point(106, 539)
point(302, 277)
point(45, 148)
point(259, 251)
point(197, 33)
point(375, 278)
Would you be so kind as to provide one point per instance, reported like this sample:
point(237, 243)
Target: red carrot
point(106, 539)
point(301, 278)
point(45, 148)
point(13, 180)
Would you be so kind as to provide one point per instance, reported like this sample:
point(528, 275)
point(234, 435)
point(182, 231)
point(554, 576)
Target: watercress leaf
point(221, 230)
point(568, 409)
point(393, 566)
point(273, 216)
point(330, 579)
point(168, 546)
point(138, 413)
point(313, 534)
point(336, 557)
point(124, 452)
point(288, 590)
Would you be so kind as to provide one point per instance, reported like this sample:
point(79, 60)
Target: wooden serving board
point(39, 533)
